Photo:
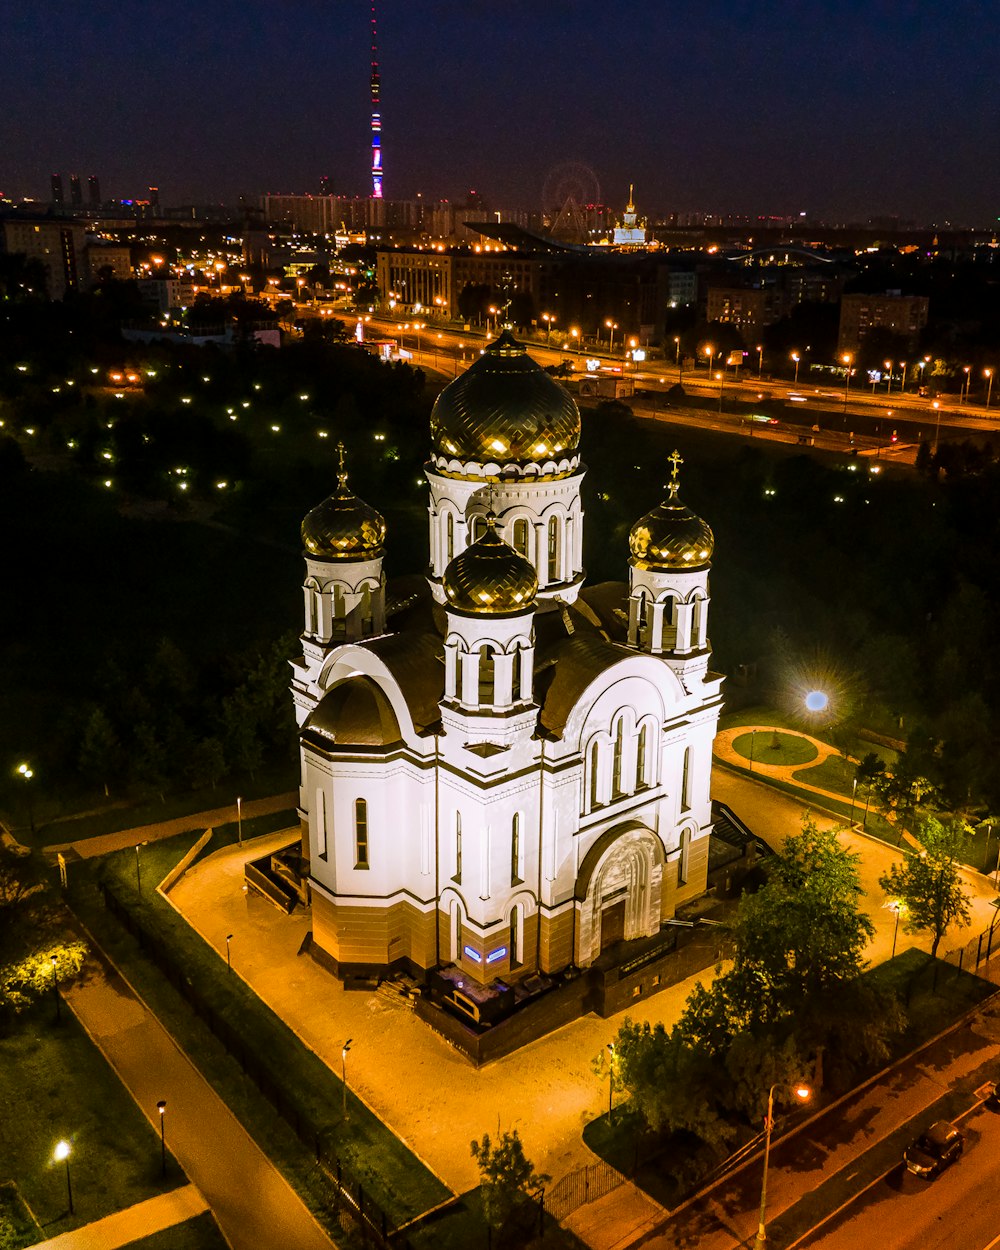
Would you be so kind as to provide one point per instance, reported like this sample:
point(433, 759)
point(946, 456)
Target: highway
point(960, 1210)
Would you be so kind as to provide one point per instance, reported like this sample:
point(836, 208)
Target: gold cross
point(676, 460)
point(342, 475)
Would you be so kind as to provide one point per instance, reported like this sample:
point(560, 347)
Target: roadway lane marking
point(994, 1242)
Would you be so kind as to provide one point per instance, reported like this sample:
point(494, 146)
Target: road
point(958, 1211)
point(868, 422)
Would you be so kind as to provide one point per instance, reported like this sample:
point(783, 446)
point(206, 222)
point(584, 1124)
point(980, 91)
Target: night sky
point(844, 110)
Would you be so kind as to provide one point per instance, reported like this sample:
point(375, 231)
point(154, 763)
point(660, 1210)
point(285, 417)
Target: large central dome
point(505, 408)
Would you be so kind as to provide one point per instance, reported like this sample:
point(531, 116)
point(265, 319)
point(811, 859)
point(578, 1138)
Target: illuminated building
point(905, 315)
point(503, 772)
point(630, 232)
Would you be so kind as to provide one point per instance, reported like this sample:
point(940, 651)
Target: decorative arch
point(619, 888)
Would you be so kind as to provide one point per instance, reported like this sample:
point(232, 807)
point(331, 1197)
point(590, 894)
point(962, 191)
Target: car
point(934, 1149)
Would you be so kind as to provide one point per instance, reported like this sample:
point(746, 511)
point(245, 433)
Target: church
point(504, 772)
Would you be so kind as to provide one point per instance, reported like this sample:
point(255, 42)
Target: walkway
point(88, 848)
point(125, 1227)
point(254, 1205)
point(724, 750)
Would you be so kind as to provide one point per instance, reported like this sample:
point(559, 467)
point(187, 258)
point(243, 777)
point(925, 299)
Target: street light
point(888, 376)
point(138, 869)
point(161, 1106)
point(896, 905)
point(802, 1093)
point(854, 795)
point(611, 1081)
point(796, 357)
point(239, 819)
point(760, 361)
point(229, 962)
point(709, 350)
point(937, 424)
point(988, 374)
point(964, 396)
point(548, 319)
point(612, 326)
point(343, 1071)
point(26, 772)
point(753, 739)
point(848, 359)
point(55, 985)
point(61, 1155)
point(575, 335)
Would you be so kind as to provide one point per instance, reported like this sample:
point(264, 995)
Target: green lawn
point(55, 1084)
point(200, 1233)
point(835, 773)
point(390, 1173)
point(770, 747)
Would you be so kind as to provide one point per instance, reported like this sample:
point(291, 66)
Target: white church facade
point(502, 769)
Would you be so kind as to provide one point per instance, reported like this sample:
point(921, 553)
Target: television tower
point(376, 117)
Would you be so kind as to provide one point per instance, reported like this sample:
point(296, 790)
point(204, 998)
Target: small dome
point(671, 536)
point(489, 577)
point(505, 408)
point(355, 714)
point(343, 527)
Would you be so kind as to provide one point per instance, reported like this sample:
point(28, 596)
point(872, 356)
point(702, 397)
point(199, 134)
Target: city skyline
point(722, 110)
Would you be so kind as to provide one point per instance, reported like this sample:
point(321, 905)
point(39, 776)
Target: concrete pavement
point(124, 1227)
point(254, 1205)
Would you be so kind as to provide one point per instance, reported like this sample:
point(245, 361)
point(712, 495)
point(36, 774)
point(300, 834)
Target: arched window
point(516, 860)
point(516, 929)
point(553, 553)
point(640, 758)
point(519, 536)
point(478, 527)
point(456, 938)
point(449, 531)
point(595, 759)
point(686, 781)
point(367, 624)
point(361, 833)
point(683, 863)
point(458, 848)
point(487, 672)
point(320, 821)
point(616, 766)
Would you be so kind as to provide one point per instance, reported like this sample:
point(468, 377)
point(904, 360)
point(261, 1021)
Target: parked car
point(933, 1150)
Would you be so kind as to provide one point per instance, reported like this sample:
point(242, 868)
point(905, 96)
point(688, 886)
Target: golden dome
point(505, 408)
point(343, 527)
point(671, 536)
point(489, 577)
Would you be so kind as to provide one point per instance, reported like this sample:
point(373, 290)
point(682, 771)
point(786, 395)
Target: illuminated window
point(519, 536)
point(516, 862)
point(595, 759)
point(478, 527)
point(458, 848)
point(449, 528)
point(515, 674)
point(640, 758)
point(682, 863)
point(361, 833)
point(553, 548)
point(686, 781)
point(616, 765)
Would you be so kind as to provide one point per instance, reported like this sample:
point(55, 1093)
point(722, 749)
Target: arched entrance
point(619, 887)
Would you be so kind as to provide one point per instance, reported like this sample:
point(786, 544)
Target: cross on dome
point(342, 475)
point(676, 460)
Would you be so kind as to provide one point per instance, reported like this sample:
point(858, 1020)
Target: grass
point(55, 1084)
point(934, 994)
point(390, 1173)
point(835, 773)
point(199, 1233)
point(18, 1226)
point(463, 1225)
point(108, 818)
point(774, 748)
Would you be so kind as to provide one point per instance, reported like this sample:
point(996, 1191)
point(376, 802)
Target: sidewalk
point(88, 848)
point(125, 1227)
point(836, 1139)
point(254, 1205)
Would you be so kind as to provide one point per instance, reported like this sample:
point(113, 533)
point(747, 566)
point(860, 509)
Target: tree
point(100, 756)
point(507, 1181)
point(927, 882)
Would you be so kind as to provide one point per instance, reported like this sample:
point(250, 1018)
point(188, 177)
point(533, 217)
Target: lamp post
point(988, 374)
point(548, 319)
point(343, 1072)
point(937, 424)
point(138, 868)
point(796, 357)
point(847, 358)
point(888, 377)
point(61, 1155)
point(161, 1106)
point(575, 336)
point(26, 772)
point(722, 383)
point(760, 361)
point(239, 819)
point(964, 396)
point(611, 1082)
point(229, 962)
point(55, 986)
point(854, 795)
point(897, 907)
point(677, 352)
point(612, 326)
point(802, 1092)
point(709, 350)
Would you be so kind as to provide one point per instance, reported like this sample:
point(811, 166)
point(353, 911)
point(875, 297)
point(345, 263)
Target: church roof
point(505, 408)
point(354, 715)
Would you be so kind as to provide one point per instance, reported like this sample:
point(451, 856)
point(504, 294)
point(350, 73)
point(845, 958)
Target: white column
point(685, 612)
point(633, 621)
point(434, 555)
point(701, 624)
point(470, 678)
point(450, 670)
point(503, 679)
point(541, 554)
point(656, 633)
point(566, 569)
point(527, 671)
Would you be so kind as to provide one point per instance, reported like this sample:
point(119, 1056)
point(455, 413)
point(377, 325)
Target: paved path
point(254, 1205)
point(124, 1227)
point(88, 848)
point(724, 750)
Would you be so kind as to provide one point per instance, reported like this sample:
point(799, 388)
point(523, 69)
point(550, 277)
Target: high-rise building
point(57, 189)
point(905, 315)
point(326, 185)
point(376, 84)
point(154, 198)
point(93, 191)
point(75, 191)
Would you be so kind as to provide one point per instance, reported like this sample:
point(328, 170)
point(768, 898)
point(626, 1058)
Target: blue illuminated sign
point(473, 954)
point(499, 953)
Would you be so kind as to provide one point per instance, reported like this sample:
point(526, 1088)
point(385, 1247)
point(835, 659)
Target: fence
point(977, 950)
point(355, 1210)
point(586, 1184)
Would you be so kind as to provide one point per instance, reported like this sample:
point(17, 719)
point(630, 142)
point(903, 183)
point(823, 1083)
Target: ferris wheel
point(570, 180)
